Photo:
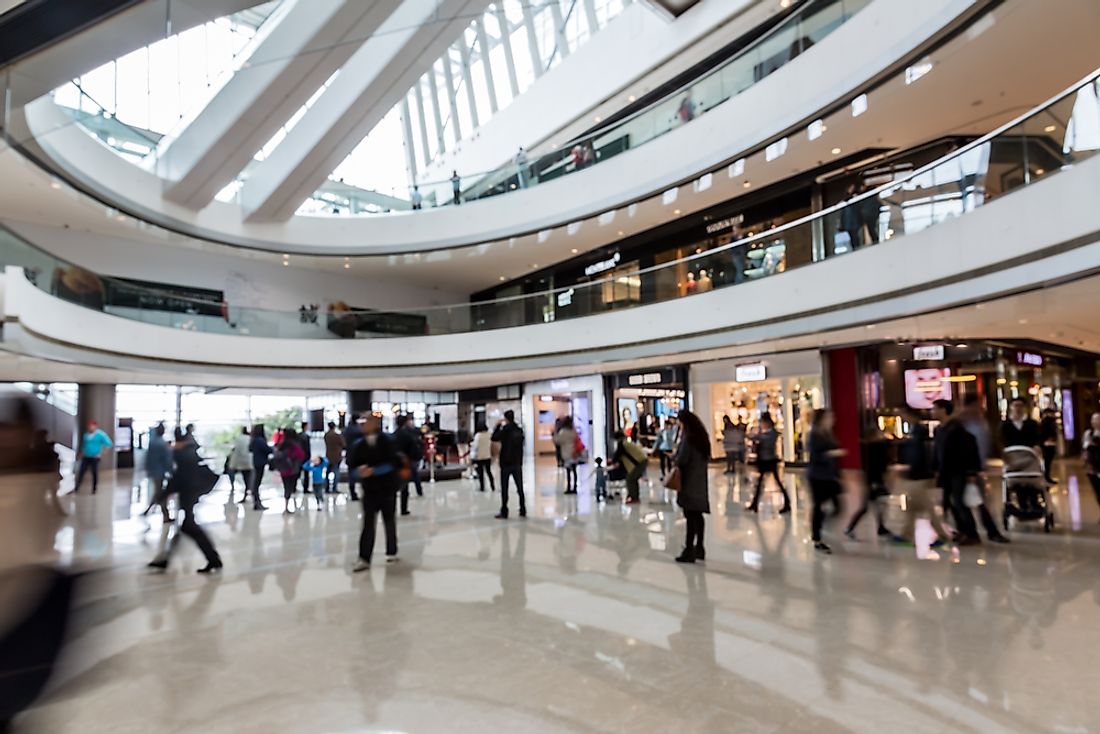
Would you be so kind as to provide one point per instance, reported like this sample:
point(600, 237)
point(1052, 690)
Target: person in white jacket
point(481, 451)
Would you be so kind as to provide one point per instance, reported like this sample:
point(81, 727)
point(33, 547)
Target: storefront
point(898, 379)
point(485, 406)
point(439, 409)
point(580, 398)
point(787, 386)
point(639, 403)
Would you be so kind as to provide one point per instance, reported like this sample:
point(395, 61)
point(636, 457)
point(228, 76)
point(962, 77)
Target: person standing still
point(1048, 433)
point(410, 443)
point(416, 198)
point(376, 461)
point(483, 456)
point(456, 188)
point(1091, 445)
point(334, 452)
point(692, 459)
point(307, 451)
point(511, 440)
point(353, 434)
point(92, 445)
point(1020, 429)
point(261, 451)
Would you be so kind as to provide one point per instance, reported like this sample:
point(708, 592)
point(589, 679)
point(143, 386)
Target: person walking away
point(632, 459)
point(318, 468)
point(692, 460)
point(376, 461)
point(158, 463)
point(334, 453)
point(920, 478)
point(410, 443)
point(1091, 445)
point(600, 475)
point(665, 446)
point(766, 442)
point(1019, 429)
point(456, 188)
point(1048, 434)
point(261, 452)
point(92, 445)
point(512, 448)
point(416, 198)
point(973, 420)
point(352, 435)
point(733, 443)
point(288, 460)
point(823, 473)
point(482, 449)
point(240, 462)
point(190, 480)
point(876, 455)
point(307, 451)
point(956, 459)
point(566, 441)
point(851, 220)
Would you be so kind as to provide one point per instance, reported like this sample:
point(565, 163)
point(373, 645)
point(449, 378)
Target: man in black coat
point(353, 434)
point(957, 461)
point(512, 447)
point(410, 444)
point(376, 462)
point(1019, 429)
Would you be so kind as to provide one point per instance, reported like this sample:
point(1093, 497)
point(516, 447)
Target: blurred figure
point(377, 462)
point(919, 475)
point(416, 198)
point(240, 462)
point(92, 445)
point(456, 188)
point(191, 479)
point(693, 497)
point(766, 441)
point(261, 451)
point(512, 447)
point(957, 462)
point(733, 443)
point(353, 434)
point(600, 476)
point(1048, 433)
point(482, 450)
point(158, 464)
point(566, 442)
point(410, 443)
point(307, 451)
point(973, 419)
point(334, 452)
point(288, 460)
point(1020, 429)
point(521, 167)
point(823, 472)
point(631, 458)
point(665, 446)
point(686, 111)
point(318, 468)
point(1091, 445)
point(35, 596)
point(876, 452)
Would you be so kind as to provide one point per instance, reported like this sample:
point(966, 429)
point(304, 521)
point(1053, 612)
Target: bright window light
point(859, 105)
point(737, 168)
point(776, 149)
point(815, 130)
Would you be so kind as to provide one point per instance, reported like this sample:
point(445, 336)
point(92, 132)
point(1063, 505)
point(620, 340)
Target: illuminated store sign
point(1029, 358)
point(725, 223)
point(565, 298)
point(929, 352)
point(649, 378)
point(750, 372)
point(603, 265)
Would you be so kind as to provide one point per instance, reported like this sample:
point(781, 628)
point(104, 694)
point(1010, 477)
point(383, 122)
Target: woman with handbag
point(566, 442)
point(689, 479)
point(191, 479)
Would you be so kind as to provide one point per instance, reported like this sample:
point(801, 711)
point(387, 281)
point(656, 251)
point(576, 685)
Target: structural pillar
point(452, 97)
point(532, 39)
point(842, 379)
point(96, 402)
point(506, 41)
point(486, 64)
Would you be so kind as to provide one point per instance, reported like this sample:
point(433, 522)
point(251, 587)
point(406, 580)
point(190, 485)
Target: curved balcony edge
point(1046, 233)
point(885, 32)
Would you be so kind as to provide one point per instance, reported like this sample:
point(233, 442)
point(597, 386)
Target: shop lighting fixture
point(1039, 171)
point(747, 184)
point(631, 98)
point(961, 378)
point(502, 278)
point(676, 212)
point(574, 250)
point(599, 119)
point(54, 185)
point(836, 151)
point(1050, 128)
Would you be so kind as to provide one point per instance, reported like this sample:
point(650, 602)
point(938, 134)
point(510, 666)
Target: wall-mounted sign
point(750, 372)
point(1031, 359)
point(565, 298)
point(603, 265)
point(934, 351)
point(559, 385)
point(725, 223)
point(649, 378)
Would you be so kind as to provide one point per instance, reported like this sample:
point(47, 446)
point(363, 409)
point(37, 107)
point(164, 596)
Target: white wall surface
point(248, 283)
point(997, 248)
point(877, 37)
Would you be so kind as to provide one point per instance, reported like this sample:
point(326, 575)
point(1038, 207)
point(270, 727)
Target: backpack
point(282, 463)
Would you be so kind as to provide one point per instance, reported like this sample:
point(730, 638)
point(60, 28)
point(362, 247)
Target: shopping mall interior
point(568, 365)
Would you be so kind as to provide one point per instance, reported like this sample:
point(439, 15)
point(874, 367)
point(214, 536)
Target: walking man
point(376, 461)
point(512, 447)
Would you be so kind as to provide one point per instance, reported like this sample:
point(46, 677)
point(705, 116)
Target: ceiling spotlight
point(676, 211)
point(746, 184)
point(836, 151)
point(502, 278)
point(574, 250)
point(1050, 128)
point(621, 232)
point(631, 98)
point(599, 119)
point(54, 185)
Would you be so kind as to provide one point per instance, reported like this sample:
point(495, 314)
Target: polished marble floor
point(573, 620)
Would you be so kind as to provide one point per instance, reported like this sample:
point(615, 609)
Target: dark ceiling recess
point(675, 8)
point(37, 24)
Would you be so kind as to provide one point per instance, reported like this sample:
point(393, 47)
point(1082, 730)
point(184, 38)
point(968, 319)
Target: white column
point(590, 14)
point(452, 98)
point(486, 63)
point(410, 148)
point(506, 41)
point(532, 39)
point(419, 97)
point(559, 28)
point(436, 112)
point(788, 420)
point(468, 79)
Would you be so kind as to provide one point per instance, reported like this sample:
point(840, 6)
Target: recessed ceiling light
point(621, 232)
point(631, 98)
point(836, 151)
point(675, 211)
point(746, 184)
point(1039, 171)
point(1050, 128)
point(575, 250)
point(54, 185)
point(503, 278)
point(599, 119)
point(534, 265)
point(286, 263)
point(347, 266)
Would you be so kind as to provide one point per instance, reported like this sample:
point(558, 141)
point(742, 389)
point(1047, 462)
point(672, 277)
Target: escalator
point(33, 25)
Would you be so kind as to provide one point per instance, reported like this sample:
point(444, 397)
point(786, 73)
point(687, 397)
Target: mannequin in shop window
point(692, 286)
point(705, 283)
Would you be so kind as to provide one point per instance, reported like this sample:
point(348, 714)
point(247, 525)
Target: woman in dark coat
point(692, 460)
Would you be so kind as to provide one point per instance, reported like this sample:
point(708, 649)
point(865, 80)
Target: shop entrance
point(549, 411)
point(790, 401)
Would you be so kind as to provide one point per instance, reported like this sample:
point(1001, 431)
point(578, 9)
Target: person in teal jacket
point(92, 446)
point(318, 468)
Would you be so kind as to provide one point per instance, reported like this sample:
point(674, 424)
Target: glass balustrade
point(1040, 144)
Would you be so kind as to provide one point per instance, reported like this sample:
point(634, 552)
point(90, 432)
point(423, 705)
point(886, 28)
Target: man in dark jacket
point(410, 444)
point(353, 434)
point(957, 461)
point(376, 461)
point(512, 447)
point(307, 450)
point(1019, 429)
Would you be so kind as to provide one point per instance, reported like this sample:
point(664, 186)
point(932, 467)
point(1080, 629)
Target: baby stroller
point(1026, 495)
